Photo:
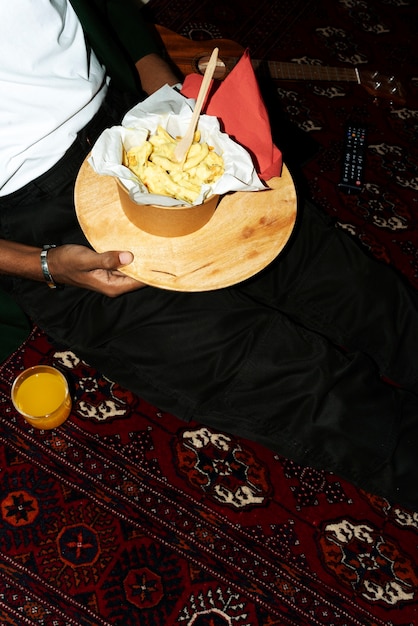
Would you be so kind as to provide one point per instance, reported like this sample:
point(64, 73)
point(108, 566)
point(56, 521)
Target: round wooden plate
point(247, 231)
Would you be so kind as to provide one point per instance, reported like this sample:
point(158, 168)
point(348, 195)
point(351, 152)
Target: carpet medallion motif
point(126, 515)
point(223, 468)
point(372, 565)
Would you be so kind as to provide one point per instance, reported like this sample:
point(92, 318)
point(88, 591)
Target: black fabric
point(292, 358)
point(14, 325)
point(103, 21)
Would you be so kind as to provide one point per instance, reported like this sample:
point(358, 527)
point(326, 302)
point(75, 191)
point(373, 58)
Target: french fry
point(154, 164)
point(137, 157)
point(196, 154)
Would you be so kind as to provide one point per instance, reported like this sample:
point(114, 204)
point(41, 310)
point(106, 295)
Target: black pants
point(292, 358)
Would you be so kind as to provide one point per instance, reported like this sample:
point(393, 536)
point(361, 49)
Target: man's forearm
point(154, 72)
point(17, 259)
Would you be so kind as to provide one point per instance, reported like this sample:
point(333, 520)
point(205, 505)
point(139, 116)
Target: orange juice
point(42, 396)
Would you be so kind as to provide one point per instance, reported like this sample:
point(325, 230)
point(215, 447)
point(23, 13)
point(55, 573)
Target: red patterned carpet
point(127, 516)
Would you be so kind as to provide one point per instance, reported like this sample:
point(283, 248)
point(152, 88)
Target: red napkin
point(238, 104)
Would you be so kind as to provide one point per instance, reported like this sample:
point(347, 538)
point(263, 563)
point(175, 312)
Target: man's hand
point(70, 264)
point(80, 266)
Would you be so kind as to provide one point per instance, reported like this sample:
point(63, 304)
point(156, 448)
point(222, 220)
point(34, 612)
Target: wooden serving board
point(247, 231)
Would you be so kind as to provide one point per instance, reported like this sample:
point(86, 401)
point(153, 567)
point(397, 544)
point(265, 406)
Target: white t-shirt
point(50, 87)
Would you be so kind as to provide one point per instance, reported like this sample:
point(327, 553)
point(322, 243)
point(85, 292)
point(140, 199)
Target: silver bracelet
point(45, 269)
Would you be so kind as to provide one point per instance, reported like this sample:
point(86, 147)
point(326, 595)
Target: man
point(76, 97)
point(293, 358)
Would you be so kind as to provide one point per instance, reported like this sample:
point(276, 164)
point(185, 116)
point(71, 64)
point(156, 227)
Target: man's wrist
point(45, 267)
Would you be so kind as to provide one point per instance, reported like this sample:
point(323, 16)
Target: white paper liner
point(169, 109)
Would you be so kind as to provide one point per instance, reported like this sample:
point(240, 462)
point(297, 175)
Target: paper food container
point(167, 221)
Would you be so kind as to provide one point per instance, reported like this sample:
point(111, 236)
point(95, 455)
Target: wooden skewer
point(185, 142)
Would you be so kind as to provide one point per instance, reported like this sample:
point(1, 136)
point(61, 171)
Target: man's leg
point(303, 397)
point(327, 283)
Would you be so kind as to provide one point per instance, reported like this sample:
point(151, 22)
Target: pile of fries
point(154, 164)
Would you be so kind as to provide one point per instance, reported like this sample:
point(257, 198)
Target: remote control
point(353, 158)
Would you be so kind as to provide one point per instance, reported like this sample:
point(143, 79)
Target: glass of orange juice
point(41, 394)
